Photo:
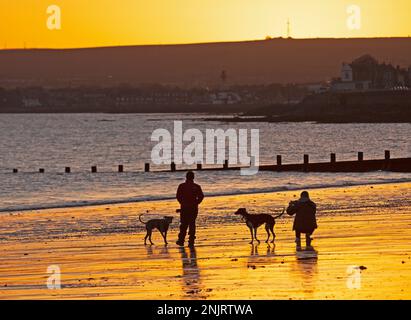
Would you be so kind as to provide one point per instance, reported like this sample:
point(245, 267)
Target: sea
point(54, 141)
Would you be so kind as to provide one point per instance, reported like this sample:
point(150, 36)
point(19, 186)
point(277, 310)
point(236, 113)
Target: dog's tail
point(276, 217)
point(139, 218)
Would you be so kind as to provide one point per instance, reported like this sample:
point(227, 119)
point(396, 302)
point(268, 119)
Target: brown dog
point(161, 225)
point(254, 221)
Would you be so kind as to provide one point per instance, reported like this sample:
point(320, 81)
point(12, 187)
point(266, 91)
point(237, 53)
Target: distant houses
point(366, 73)
point(146, 98)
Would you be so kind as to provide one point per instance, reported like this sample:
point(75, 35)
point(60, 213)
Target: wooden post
point(120, 168)
point(41, 170)
point(360, 156)
point(387, 155)
point(94, 169)
point(225, 165)
point(306, 161)
point(333, 158)
point(199, 166)
point(387, 162)
point(279, 160)
point(146, 167)
point(67, 170)
point(173, 167)
point(15, 170)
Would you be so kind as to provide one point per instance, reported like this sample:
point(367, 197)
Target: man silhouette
point(189, 195)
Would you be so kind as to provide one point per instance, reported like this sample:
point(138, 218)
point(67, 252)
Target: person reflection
point(191, 273)
point(306, 268)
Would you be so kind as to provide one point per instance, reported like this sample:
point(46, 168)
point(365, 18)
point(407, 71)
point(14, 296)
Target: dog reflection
point(158, 252)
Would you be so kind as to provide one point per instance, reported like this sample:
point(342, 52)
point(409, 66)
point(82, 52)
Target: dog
point(161, 225)
point(254, 221)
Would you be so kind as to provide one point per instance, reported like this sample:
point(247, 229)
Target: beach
point(362, 250)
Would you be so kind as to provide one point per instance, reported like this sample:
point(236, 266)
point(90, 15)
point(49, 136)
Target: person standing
point(189, 195)
point(305, 220)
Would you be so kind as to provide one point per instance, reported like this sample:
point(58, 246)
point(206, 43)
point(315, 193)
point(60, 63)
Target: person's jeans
point(307, 238)
point(188, 218)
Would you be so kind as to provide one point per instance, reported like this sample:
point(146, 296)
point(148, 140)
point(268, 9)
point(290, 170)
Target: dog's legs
point(252, 236)
point(272, 231)
point(145, 238)
point(149, 236)
point(255, 235)
point(267, 228)
point(164, 237)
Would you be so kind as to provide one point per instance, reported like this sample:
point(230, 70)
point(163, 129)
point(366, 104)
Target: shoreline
point(165, 198)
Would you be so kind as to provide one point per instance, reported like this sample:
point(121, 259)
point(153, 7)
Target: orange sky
point(128, 22)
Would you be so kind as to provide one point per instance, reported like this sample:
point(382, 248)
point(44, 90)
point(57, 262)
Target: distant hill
point(252, 62)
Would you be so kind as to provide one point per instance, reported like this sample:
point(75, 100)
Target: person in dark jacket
point(305, 221)
point(189, 195)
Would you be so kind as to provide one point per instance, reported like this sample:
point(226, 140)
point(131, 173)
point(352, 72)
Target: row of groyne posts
point(389, 164)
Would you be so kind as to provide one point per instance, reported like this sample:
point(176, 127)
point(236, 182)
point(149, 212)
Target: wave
point(86, 203)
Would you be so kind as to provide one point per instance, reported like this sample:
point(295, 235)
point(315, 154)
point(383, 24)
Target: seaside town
point(364, 74)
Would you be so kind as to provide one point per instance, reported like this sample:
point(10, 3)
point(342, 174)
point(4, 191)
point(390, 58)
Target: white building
point(351, 86)
point(346, 73)
point(225, 98)
point(347, 83)
point(317, 87)
point(31, 102)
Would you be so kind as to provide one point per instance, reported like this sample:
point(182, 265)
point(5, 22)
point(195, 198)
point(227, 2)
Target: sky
point(94, 23)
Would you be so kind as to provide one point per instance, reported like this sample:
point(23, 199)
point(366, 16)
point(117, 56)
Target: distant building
point(346, 73)
point(365, 73)
point(351, 86)
point(225, 97)
point(317, 87)
point(31, 102)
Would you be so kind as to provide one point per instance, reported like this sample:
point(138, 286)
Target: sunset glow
point(130, 22)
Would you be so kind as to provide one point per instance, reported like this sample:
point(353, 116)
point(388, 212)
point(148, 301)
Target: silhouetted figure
point(189, 195)
point(305, 220)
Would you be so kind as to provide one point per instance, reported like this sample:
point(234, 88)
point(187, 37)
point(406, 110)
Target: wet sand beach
point(101, 254)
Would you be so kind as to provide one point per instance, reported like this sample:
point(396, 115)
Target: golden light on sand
point(223, 265)
point(130, 22)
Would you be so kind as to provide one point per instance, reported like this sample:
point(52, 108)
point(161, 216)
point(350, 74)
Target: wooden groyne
point(359, 165)
point(333, 165)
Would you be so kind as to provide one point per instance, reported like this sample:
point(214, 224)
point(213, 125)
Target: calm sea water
point(29, 142)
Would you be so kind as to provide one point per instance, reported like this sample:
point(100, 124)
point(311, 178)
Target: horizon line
point(199, 43)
